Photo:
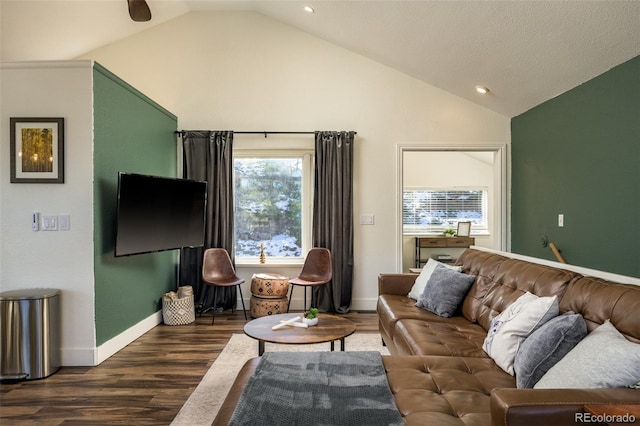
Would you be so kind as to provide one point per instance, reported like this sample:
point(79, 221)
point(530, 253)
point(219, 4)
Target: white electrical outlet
point(561, 220)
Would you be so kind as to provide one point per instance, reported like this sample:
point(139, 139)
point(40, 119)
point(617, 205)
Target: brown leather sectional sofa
point(438, 371)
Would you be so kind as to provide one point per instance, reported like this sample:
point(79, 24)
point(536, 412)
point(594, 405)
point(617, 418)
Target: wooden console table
point(440, 242)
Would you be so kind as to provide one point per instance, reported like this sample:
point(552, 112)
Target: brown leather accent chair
point(218, 271)
point(317, 270)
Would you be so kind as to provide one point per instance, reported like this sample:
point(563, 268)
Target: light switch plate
point(366, 219)
point(64, 222)
point(49, 223)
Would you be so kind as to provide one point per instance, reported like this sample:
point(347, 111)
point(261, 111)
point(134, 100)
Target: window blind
point(438, 209)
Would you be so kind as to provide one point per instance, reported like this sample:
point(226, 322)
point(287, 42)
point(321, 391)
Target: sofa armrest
point(523, 407)
point(397, 284)
point(229, 405)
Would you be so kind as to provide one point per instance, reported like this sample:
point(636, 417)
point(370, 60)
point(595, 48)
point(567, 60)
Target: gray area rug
point(317, 388)
point(205, 401)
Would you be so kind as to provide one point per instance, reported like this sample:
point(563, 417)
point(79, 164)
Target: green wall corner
point(579, 155)
point(131, 134)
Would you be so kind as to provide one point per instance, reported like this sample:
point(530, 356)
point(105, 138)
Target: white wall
point(243, 71)
point(60, 259)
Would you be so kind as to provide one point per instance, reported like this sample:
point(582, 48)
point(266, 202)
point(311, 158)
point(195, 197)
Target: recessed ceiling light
point(482, 89)
point(308, 9)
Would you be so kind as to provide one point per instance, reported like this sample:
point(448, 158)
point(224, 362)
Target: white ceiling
point(525, 52)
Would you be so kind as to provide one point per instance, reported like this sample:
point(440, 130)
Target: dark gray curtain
point(333, 216)
point(208, 157)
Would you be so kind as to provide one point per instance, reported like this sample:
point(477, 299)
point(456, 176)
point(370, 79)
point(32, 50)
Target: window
point(434, 210)
point(271, 195)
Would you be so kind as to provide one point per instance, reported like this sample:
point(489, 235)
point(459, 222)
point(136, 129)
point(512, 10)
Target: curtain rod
point(265, 133)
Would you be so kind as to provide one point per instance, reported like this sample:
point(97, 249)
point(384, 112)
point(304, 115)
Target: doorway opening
point(450, 173)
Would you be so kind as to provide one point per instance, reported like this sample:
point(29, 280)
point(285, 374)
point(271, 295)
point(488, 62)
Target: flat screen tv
point(157, 213)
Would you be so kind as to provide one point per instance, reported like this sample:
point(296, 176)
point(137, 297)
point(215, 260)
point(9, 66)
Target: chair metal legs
point(213, 311)
point(215, 291)
point(305, 297)
point(242, 300)
point(289, 301)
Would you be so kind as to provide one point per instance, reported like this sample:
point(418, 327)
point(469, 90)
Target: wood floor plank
point(145, 383)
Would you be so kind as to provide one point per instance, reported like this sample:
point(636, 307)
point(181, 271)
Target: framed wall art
point(37, 150)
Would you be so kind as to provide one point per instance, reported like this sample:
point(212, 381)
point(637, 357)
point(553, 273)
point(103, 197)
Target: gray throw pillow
point(546, 346)
point(603, 359)
point(444, 291)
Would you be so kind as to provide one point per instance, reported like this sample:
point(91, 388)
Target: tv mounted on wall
point(158, 213)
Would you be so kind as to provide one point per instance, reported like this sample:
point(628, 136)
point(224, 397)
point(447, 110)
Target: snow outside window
point(271, 195)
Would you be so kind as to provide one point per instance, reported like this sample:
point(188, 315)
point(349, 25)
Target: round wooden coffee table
point(329, 328)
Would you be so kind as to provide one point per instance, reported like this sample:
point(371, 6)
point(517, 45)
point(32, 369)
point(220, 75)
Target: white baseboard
point(77, 357)
point(364, 304)
point(90, 357)
point(113, 345)
point(297, 304)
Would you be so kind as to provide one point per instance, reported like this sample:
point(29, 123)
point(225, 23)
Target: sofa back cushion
point(500, 281)
point(599, 300)
point(516, 277)
point(483, 266)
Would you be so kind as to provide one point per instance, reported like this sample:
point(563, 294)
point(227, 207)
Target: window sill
point(439, 234)
point(270, 263)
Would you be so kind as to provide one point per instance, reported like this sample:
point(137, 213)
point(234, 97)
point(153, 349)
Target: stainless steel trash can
point(29, 333)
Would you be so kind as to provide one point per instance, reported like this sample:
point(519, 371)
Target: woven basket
point(178, 311)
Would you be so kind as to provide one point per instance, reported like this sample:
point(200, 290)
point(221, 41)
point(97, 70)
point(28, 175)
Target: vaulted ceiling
point(525, 52)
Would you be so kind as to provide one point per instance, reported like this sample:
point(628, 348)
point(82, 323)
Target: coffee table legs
point(341, 345)
point(261, 346)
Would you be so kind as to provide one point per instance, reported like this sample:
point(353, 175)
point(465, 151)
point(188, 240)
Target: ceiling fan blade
point(139, 10)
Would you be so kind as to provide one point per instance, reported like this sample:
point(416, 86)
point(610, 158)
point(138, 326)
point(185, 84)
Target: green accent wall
point(579, 155)
point(131, 134)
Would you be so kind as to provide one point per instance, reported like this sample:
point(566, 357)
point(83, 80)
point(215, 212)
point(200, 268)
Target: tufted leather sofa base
point(438, 372)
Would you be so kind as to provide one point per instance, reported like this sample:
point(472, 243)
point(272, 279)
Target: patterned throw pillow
point(509, 329)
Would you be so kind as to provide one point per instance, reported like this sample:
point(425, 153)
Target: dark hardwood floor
point(145, 383)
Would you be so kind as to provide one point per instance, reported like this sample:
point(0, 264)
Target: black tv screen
point(157, 213)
